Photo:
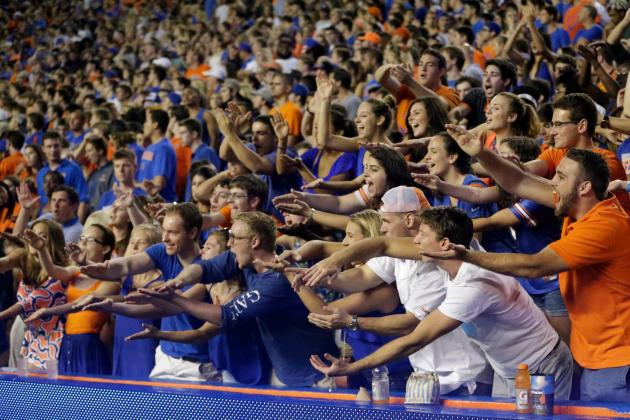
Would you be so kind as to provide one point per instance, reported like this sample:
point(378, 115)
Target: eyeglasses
point(237, 196)
point(233, 237)
point(89, 239)
point(558, 124)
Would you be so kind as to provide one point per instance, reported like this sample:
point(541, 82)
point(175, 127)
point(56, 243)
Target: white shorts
point(167, 367)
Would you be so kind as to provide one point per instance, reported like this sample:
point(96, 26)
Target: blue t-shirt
point(108, 198)
point(281, 316)
point(623, 154)
point(492, 241)
point(75, 139)
point(72, 176)
point(279, 184)
point(538, 228)
point(34, 138)
point(345, 163)
point(203, 152)
point(591, 34)
point(159, 160)
point(559, 38)
point(358, 168)
point(170, 266)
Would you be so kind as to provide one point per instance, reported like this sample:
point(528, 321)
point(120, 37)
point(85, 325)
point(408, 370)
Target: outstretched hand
point(33, 239)
point(40, 313)
point(472, 145)
point(95, 271)
point(432, 182)
point(25, 198)
point(454, 252)
point(334, 319)
point(149, 331)
point(101, 305)
point(338, 367)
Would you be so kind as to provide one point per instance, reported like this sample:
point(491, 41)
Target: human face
point(394, 225)
point(138, 242)
point(52, 150)
point(492, 81)
point(565, 187)
point(263, 138)
point(375, 178)
point(185, 135)
point(76, 121)
point(463, 88)
point(211, 248)
point(564, 129)
point(497, 116)
point(544, 17)
point(174, 235)
point(426, 240)
point(437, 158)
point(418, 119)
point(354, 234)
point(41, 230)
point(195, 182)
point(366, 121)
point(278, 87)
point(240, 201)
point(219, 198)
point(236, 168)
point(31, 157)
point(92, 153)
point(91, 242)
point(430, 72)
point(240, 243)
point(124, 171)
point(62, 210)
point(119, 215)
point(504, 149)
point(148, 125)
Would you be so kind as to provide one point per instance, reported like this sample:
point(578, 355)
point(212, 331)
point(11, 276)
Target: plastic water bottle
point(522, 386)
point(380, 385)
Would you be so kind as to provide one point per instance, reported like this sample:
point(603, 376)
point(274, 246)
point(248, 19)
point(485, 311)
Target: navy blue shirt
point(170, 266)
point(281, 316)
point(159, 160)
point(538, 227)
point(72, 176)
point(279, 184)
point(203, 152)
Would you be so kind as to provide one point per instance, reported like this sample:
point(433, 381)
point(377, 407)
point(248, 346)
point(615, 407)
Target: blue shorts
point(551, 303)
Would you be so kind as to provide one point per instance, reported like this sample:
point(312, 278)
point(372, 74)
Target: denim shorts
point(551, 303)
point(609, 385)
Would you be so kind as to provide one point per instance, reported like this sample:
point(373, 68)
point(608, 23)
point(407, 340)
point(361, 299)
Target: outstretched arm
point(431, 328)
point(117, 268)
point(200, 335)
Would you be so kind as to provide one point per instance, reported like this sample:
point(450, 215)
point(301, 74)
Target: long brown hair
point(32, 270)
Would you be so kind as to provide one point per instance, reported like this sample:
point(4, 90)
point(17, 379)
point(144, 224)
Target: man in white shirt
point(460, 365)
point(496, 313)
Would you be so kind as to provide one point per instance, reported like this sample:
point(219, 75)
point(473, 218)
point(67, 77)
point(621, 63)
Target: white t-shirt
point(500, 317)
point(421, 288)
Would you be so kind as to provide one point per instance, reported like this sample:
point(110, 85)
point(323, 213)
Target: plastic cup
point(22, 366)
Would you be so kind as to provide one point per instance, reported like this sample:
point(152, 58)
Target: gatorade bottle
point(522, 386)
point(380, 385)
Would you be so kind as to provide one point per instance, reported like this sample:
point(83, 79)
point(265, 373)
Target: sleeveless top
point(84, 322)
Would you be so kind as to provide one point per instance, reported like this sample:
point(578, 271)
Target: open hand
point(149, 331)
point(33, 239)
point(336, 368)
point(334, 319)
point(25, 198)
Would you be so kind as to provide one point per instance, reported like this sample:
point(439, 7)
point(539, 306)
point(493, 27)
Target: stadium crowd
point(294, 192)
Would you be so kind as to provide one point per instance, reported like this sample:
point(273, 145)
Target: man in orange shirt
point(573, 124)
point(281, 85)
point(10, 164)
point(400, 83)
point(592, 257)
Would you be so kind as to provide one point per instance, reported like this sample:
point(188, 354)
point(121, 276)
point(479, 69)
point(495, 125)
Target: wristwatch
point(605, 122)
point(354, 324)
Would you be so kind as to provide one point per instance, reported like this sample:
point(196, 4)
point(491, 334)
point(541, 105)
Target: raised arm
point(63, 274)
point(615, 35)
point(537, 39)
point(206, 187)
point(12, 260)
point(28, 203)
point(506, 174)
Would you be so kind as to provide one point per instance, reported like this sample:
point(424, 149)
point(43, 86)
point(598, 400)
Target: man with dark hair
point(591, 31)
point(265, 160)
point(101, 178)
point(548, 18)
point(592, 256)
point(573, 125)
point(472, 13)
point(64, 202)
point(342, 81)
point(190, 132)
point(502, 319)
point(14, 161)
point(77, 130)
point(35, 127)
point(499, 76)
point(157, 168)
point(281, 85)
point(73, 176)
point(268, 298)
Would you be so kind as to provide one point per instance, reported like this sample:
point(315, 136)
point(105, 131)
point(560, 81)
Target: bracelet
point(311, 214)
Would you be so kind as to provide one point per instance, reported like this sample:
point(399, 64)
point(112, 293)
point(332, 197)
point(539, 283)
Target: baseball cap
point(404, 199)
point(162, 62)
point(265, 93)
point(401, 32)
point(300, 90)
point(371, 37)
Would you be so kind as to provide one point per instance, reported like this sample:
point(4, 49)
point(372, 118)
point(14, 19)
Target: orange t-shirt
point(596, 290)
point(183, 155)
point(554, 156)
point(292, 113)
point(406, 96)
point(9, 164)
point(197, 72)
point(84, 322)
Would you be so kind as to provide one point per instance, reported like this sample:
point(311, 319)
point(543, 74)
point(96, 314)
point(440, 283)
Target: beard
point(565, 204)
